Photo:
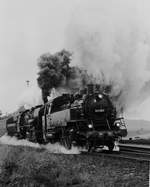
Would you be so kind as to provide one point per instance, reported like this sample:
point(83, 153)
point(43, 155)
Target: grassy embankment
point(24, 166)
point(2, 127)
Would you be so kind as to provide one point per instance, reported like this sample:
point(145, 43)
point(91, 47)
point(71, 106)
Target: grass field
point(2, 127)
point(24, 166)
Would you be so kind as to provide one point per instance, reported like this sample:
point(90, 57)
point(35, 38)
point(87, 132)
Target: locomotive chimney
point(83, 91)
point(91, 88)
point(97, 87)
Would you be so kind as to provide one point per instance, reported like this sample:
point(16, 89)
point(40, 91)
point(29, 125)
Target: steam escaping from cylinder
point(112, 41)
point(57, 148)
point(52, 148)
point(5, 139)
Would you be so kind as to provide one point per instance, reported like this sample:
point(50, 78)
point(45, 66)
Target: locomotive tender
point(87, 119)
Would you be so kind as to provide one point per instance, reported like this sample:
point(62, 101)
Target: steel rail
point(121, 155)
point(140, 152)
point(127, 151)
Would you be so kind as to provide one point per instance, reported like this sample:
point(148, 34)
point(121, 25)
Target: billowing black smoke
point(55, 72)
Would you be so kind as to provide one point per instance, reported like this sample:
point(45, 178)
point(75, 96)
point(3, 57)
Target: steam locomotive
point(87, 119)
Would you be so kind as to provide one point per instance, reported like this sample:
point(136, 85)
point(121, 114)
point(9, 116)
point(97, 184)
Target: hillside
point(138, 127)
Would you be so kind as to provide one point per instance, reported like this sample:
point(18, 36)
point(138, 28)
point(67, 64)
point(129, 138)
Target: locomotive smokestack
point(91, 88)
point(97, 87)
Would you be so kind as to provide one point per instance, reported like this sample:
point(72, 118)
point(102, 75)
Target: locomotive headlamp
point(118, 124)
point(90, 126)
point(100, 96)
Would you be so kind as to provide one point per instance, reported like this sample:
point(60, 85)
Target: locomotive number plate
point(99, 110)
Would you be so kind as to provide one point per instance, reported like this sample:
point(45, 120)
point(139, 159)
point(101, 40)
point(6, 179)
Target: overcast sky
point(29, 28)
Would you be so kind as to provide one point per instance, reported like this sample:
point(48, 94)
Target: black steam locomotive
point(87, 118)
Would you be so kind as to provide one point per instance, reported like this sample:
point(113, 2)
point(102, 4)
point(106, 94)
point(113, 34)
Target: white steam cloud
point(30, 97)
point(5, 139)
point(111, 39)
point(52, 148)
point(57, 148)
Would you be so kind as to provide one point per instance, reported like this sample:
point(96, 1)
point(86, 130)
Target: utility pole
point(27, 81)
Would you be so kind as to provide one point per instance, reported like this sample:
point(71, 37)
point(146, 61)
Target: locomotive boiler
point(87, 119)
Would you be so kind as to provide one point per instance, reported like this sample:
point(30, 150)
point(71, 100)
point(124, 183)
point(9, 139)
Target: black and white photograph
point(75, 93)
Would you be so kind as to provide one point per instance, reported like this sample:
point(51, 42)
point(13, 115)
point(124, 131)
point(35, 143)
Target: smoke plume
point(111, 40)
point(56, 72)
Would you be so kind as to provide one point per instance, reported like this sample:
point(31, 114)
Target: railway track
point(127, 151)
point(138, 152)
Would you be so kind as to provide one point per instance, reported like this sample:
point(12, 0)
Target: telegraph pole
point(27, 81)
